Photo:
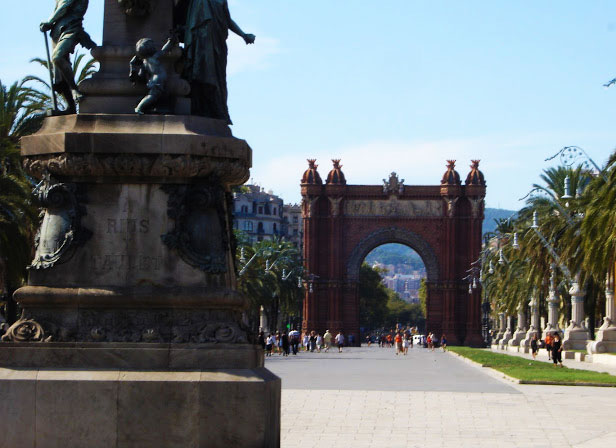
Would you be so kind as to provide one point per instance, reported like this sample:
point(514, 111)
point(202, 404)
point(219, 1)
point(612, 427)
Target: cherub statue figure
point(147, 67)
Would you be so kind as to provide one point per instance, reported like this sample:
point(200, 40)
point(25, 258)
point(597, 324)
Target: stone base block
point(113, 408)
point(517, 337)
point(575, 339)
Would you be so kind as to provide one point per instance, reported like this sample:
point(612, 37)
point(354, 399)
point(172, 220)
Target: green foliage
point(275, 289)
point(82, 68)
point(399, 311)
point(373, 298)
point(423, 296)
point(380, 307)
point(530, 372)
point(20, 114)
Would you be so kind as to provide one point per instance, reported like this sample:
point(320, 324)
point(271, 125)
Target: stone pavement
point(368, 397)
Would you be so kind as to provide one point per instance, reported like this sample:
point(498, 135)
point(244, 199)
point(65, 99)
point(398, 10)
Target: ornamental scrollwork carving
point(232, 171)
point(60, 232)
point(200, 234)
point(136, 8)
point(24, 330)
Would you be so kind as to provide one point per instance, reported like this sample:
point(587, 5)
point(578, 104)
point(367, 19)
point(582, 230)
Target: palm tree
point(20, 114)
point(270, 279)
point(83, 69)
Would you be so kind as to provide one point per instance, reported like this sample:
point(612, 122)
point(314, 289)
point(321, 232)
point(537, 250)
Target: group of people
point(404, 338)
point(552, 343)
point(285, 343)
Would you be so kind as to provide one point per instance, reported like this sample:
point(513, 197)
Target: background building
point(292, 225)
point(258, 213)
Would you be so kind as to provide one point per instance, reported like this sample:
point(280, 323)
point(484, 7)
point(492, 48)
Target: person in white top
point(340, 341)
point(319, 342)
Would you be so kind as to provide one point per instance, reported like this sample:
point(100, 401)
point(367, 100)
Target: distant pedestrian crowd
point(283, 343)
point(404, 338)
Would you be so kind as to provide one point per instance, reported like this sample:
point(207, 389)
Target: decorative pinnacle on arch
point(336, 176)
point(451, 176)
point(475, 177)
point(311, 175)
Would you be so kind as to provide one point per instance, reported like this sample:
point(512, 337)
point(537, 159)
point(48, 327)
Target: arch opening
point(392, 292)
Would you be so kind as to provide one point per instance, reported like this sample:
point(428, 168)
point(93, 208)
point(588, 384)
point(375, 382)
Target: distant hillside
point(492, 214)
point(395, 254)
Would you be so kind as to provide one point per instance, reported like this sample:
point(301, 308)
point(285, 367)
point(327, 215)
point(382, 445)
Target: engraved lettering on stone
point(394, 207)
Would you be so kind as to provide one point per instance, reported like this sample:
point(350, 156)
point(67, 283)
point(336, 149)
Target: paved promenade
point(368, 397)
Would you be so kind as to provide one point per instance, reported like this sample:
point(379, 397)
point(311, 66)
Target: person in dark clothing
point(534, 345)
point(557, 349)
point(261, 340)
point(285, 344)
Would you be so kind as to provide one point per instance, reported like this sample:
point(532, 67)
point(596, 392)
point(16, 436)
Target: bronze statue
point(66, 29)
point(206, 25)
point(147, 67)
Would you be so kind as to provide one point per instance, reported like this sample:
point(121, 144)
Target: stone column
point(576, 333)
point(501, 329)
point(534, 321)
point(508, 333)
point(553, 300)
point(263, 321)
point(520, 331)
point(605, 341)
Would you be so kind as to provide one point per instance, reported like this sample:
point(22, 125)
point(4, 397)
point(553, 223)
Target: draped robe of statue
point(206, 28)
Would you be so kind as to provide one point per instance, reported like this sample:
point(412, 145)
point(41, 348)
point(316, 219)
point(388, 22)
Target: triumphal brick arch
point(442, 223)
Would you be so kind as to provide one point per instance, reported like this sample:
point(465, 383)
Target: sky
point(400, 85)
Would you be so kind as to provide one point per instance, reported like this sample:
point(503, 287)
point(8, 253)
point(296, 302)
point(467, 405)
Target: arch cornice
point(393, 235)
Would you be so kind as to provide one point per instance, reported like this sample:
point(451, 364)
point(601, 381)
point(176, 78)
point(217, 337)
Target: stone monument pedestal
point(132, 331)
point(157, 395)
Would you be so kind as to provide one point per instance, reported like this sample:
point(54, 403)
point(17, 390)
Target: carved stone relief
point(200, 234)
point(393, 207)
point(138, 165)
point(60, 232)
point(335, 206)
point(394, 185)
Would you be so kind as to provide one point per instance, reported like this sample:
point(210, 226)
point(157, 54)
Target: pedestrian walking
point(548, 344)
point(557, 349)
point(306, 341)
point(285, 344)
point(312, 341)
point(269, 344)
point(340, 341)
point(319, 342)
point(444, 342)
point(294, 340)
point(534, 345)
point(327, 339)
point(398, 342)
point(405, 344)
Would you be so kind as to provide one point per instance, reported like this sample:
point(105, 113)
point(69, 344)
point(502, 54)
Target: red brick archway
point(442, 223)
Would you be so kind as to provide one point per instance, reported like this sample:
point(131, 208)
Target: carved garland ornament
point(232, 171)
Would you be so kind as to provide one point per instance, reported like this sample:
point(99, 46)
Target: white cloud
point(509, 164)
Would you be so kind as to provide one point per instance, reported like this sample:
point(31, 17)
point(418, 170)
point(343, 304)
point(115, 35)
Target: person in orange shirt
point(398, 340)
point(548, 344)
